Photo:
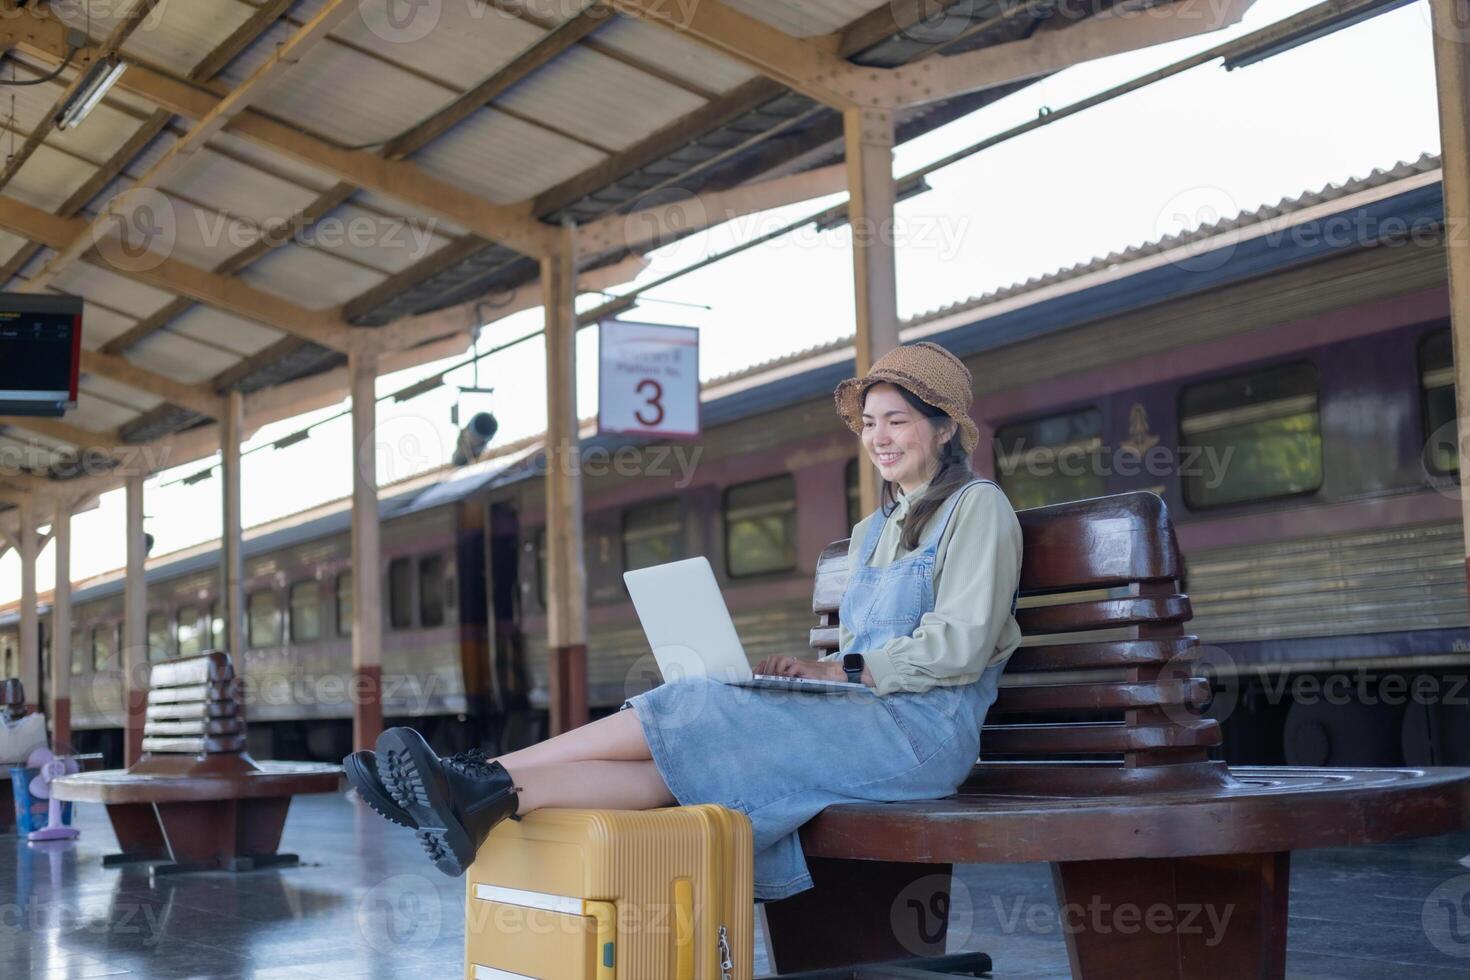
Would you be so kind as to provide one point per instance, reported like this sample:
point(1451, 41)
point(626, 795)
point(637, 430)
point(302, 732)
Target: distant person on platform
point(927, 621)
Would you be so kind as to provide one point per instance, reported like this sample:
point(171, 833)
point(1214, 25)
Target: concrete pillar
point(30, 620)
point(367, 576)
point(232, 560)
point(1451, 21)
point(135, 626)
point(868, 140)
point(566, 576)
point(61, 652)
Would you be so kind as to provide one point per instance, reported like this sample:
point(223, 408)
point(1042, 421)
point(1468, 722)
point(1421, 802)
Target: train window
point(431, 591)
point(191, 637)
point(344, 604)
point(1052, 459)
point(158, 637)
point(541, 565)
point(653, 534)
point(263, 619)
point(102, 646)
point(217, 628)
point(400, 593)
point(1437, 377)
point(78, 653)
point(306, 612)
point(760, 527)
point(854, 493)
point(1262, 431)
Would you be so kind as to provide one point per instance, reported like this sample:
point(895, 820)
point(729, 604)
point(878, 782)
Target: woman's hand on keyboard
point(782, 666)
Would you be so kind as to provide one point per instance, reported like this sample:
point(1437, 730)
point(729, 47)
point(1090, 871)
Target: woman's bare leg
point(618, 737)
point(602, 784)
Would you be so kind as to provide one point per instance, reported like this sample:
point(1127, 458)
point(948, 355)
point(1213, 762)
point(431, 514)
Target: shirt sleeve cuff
point(886, 676)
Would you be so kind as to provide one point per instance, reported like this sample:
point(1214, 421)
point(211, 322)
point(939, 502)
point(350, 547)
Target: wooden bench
point(1146, 834)
point(196, 801)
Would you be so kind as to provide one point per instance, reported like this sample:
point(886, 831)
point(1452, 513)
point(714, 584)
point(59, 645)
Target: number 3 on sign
point(653, 393)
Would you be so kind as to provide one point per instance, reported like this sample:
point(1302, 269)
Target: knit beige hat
point(924, 369)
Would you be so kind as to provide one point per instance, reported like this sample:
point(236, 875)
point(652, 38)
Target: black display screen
point(40, 340)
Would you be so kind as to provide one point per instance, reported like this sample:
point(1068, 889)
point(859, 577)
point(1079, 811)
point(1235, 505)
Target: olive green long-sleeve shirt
point(976, 571)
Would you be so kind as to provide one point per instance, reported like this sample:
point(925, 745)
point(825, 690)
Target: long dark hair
point(954, 472)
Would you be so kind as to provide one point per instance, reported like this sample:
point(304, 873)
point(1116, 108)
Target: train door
point(509, 681)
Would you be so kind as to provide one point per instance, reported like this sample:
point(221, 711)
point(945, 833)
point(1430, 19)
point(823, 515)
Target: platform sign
point(648, 383)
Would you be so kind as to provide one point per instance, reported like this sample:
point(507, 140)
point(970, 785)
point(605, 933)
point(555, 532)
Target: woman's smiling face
point(900, 440)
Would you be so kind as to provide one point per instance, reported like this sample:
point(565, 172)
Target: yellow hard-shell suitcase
point(601, 894)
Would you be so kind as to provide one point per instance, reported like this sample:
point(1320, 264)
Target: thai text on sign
point(649, 379)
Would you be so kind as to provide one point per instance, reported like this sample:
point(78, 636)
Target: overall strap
point(941, 520)
point(870, 540)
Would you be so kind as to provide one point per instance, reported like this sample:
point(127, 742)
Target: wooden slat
point(1103, 614)
point(1048, 741)
point(193, 709)
point(1058, 698)
point(214, 666)
point(192, 728)
point(213, 745)
point(1104, 655)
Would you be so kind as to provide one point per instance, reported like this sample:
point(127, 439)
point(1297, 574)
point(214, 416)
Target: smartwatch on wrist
point(852, 666)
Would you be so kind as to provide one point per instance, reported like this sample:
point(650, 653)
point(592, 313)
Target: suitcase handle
point(683, 929)
point(606, 915)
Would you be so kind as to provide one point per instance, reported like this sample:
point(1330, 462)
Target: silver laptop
point(689, 627)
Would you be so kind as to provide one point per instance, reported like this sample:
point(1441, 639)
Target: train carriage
point(1310, 470)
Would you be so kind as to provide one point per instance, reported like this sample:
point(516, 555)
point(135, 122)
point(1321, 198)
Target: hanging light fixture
point(96, 83)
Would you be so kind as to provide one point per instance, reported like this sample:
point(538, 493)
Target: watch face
point(852, 661)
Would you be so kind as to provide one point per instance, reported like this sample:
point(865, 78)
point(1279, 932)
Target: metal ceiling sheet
point(110, 289)
point(803, 18)
point(609, 103)
point(551, 11)
point(310, 278)
point(100, 325)
point(675, 54)
point(243, 337)
point(382, 204)
point(173, 35)
point(461, 42)
point(503, 158)
point(272, 162)
point(346, 95)
point(180, 356)
point(107, 129)
point(98, 414)
point(120, 394)
point(49, 177)
point(387, 242)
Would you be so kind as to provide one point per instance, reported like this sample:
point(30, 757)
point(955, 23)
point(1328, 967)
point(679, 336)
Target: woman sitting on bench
point(927, 621)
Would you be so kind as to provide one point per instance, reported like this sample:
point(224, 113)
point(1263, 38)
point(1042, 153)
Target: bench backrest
point(12, 699)
point(194, 707)
point(1100, 604)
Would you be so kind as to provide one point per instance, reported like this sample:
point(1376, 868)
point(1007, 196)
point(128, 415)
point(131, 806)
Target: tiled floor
point(367, 904)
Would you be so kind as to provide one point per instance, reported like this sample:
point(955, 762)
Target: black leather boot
point(455, 802)
point(361, 769)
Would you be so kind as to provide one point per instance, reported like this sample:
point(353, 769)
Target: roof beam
point(665, 222)
point(1117, 30)
point(221, 292)
point(511, 225)
point(123, 30)
point(181, 153)
point(811, 66)
point(60, 431)
point(196, 398)
point(817, 68)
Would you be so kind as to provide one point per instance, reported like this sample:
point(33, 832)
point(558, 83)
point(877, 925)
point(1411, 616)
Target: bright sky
point(1183, 152)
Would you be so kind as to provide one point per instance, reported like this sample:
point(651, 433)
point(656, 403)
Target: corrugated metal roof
point(367, 84)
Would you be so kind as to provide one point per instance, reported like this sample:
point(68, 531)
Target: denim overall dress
point(781, 757)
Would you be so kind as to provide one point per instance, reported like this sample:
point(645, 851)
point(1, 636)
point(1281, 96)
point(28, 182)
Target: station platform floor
point(366, 903)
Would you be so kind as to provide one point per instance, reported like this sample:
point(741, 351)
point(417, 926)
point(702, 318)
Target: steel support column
point(30, 619)
point(868, 139)
point(566, 576)
point(1451, 22)
point(134, 653)
point(232, 560)
point(367, 578)
point(61, 651)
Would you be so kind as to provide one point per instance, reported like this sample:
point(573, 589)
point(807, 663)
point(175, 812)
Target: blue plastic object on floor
point(30, 813)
